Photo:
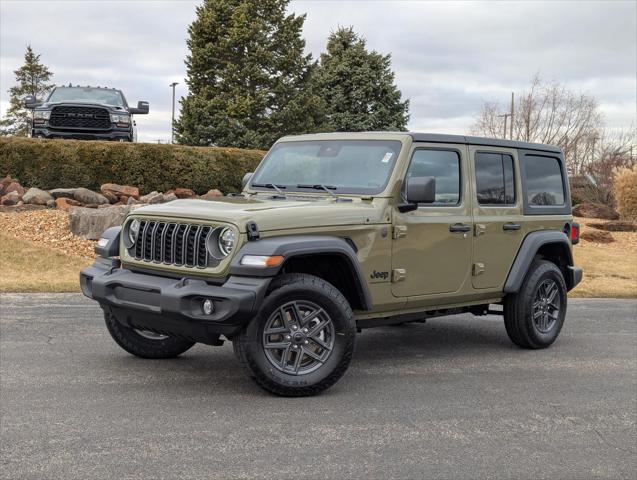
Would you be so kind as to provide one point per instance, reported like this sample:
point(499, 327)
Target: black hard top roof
point(488, 142)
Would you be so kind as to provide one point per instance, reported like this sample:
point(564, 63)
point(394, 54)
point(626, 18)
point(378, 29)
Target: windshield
point(88, 95)
point(342, 166)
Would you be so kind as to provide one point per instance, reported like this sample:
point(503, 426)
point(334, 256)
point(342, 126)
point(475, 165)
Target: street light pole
point(172, 123)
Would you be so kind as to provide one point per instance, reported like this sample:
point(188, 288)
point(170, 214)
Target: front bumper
point(170, 306)
point(114, 134)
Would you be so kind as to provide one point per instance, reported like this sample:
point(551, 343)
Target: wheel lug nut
point(295, 347)
point(287, 337)
point(305, 330)
point(306, 342)
point(294, 327)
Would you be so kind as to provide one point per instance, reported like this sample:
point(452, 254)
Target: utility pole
point(512, 115)
point(172, 123)
point(504, 130)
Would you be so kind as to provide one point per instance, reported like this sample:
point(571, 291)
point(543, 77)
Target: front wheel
point(534, 316)
point(144, 343)
point(302, 340)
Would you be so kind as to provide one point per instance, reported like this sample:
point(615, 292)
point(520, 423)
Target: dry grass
point(610, 269)
point(27, 267)
point(626, 192)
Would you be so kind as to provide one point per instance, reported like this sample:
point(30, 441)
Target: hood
point(50, 105)
point(271, 214)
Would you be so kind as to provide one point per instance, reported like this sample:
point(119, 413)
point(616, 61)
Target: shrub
point(626, 192)
point(51, 164)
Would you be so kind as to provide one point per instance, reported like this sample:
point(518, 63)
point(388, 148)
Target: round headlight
point(226, 241)
point(133, 231)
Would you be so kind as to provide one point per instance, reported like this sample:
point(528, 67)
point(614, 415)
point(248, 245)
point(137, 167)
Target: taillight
point(575, 233)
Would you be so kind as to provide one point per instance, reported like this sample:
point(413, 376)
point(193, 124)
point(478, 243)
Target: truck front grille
point(89, 118)
point(178, 244)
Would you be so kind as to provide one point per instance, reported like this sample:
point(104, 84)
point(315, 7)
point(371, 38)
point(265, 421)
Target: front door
point(497, 214)
point(431, 250)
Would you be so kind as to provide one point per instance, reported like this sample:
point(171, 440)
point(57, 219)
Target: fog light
point(208, 306)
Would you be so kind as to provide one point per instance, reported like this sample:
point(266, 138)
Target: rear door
point(431, 250)
point(497, 214)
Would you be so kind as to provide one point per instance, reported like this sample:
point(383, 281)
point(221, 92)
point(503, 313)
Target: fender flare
point(529, 248)
point(299, 245)
point(110, 238)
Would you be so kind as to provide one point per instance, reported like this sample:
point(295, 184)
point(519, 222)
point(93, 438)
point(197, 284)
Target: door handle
point(459, 228)
point(511, 226)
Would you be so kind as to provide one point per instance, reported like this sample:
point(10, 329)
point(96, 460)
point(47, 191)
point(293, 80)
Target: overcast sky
point(449, 57)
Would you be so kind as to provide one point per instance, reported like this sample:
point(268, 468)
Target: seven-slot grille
point(92, 118)
point(172, 243)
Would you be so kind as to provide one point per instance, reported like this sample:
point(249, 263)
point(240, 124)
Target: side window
point(494, 179)
point(444, 165)
point(544, 183)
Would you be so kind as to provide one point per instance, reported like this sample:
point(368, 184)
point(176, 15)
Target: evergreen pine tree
point(247, 76)
point(358, 87)
point(31, 79)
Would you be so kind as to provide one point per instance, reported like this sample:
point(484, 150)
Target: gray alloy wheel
point(546, 306)
point(298, 337)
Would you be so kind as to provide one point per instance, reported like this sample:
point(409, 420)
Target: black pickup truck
point(85, 113)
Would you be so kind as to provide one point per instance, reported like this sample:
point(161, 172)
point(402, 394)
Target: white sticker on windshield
point(387, 157)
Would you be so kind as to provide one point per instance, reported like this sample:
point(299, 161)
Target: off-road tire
point(249, 349)
point(518, 308)
point(143, 347)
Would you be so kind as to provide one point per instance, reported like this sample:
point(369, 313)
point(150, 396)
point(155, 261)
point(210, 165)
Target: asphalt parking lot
point(452, 398)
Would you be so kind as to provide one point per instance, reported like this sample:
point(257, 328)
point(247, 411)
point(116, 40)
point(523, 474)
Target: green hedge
point(51, 164)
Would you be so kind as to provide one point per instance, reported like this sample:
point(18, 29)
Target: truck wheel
point(534, 316)
point(144, 343)
point(302, 339)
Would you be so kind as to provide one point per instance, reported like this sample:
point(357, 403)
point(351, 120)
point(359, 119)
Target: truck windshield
point(342, 166)
point(87, 95)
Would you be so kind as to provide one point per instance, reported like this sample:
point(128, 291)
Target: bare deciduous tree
point(548, 113)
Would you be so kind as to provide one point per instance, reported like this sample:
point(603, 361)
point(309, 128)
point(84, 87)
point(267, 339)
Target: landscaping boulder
point(184, 193)
point(11, 198)
point(63, 192)
point(212, 194)
point(111, 197)
point(152, 197)
point(595, 210)
point(35, 196)
point(90, 223)
point(4, 183)
point(64, 203)
point(88, 197)
point(15, 187)
point(615, 226)
point(119, 190)
point(597, 236)
point(169, 197)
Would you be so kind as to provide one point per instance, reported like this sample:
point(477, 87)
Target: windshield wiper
point(320, 186)
point(271, 185)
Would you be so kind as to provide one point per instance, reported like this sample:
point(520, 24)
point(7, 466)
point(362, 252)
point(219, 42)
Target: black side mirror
point(246, 179)
point(142, 109)
point(419, 190)
point(31, 102)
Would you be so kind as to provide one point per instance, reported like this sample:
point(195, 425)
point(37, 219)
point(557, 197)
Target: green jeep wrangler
point(338, 232)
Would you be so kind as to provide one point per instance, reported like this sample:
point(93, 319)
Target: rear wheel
point(534, 316)
point(302, 340)
point(144, 343)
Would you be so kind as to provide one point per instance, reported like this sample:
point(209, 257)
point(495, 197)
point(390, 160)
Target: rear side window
point(494, 179)
point(544, 182)
point(444, 166)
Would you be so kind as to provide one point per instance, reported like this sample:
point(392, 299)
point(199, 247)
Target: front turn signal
point(262, 260)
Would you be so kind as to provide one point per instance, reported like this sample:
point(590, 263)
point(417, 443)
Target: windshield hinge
point(400, 231)
point(252, 230)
